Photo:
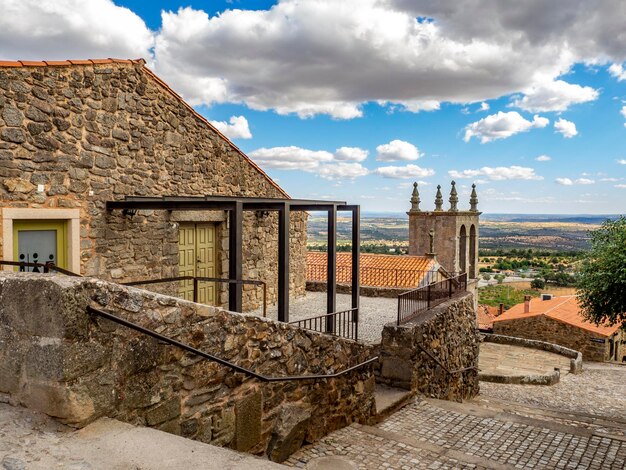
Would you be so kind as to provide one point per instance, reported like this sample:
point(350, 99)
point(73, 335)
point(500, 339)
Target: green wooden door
point(197, 257)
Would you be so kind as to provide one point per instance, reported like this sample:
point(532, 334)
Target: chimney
point(501, 309)
point(526, 303)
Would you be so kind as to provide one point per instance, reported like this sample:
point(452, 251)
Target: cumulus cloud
point(236, 128)
point(342, 171)
point(543, 158)
point(501, 126)
point(71, 29)
point(484, 106)
point(290, 158)
point(404, 172)
point(397, 150)
point(618, 72)
point(500, 173)
point(314, 57)
point(622, 161)
point(341, 165)
point(566, 128)
point(350, 154)
point(554, 96)
point(570, 182)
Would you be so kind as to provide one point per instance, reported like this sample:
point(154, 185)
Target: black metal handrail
point(47, 267)
point(440, 364)
point(344, 323)
point(415, 302)
point(224, 362)
point(196, 279)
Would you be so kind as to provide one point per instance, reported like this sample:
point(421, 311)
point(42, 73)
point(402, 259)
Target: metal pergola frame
point(235, 206)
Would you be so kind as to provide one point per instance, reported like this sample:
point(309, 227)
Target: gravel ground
point(374, 312)
point(599, 390)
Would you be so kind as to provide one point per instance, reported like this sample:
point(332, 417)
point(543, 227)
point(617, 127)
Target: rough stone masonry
point(92, 131)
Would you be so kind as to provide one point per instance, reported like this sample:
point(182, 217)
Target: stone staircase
point(430, 433)
point(389, 400)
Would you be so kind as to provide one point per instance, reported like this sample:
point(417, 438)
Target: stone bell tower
point(451, 235)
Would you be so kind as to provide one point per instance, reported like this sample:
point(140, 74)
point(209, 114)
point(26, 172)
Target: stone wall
point(542, 328)
point(56, 358)
point(365, 291)
point(91, 133)
point(448, 332)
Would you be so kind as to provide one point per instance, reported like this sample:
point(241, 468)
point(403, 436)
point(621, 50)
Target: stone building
point(76, 134)
point(559, 320)
point(450, 234)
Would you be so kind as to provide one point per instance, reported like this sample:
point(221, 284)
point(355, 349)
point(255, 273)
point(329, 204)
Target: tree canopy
point(602, 275)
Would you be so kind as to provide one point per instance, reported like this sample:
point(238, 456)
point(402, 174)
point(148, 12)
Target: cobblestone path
point(437, 434)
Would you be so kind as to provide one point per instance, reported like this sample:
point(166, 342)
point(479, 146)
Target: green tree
point(602, 274)
point(537, 283)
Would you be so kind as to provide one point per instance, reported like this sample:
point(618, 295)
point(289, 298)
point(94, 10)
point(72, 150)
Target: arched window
point(463, 249)
point(472, 252)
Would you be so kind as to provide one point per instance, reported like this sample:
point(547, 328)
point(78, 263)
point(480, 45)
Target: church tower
point(451, 235)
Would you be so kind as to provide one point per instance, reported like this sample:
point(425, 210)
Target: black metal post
point(331, 275)
point(195, 289)
point(235, 257)
point(356, 265)
point(283, 263)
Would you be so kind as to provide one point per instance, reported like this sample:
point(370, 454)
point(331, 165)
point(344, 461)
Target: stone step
point(390, 400)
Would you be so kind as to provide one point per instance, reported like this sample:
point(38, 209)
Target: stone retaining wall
point(576, 358)
point(57, 359)
point(593, 346)
point(449, 333)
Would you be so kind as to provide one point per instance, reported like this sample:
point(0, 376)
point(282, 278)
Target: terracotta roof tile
point(565, 309)
point(376, 270)
point(49, 63)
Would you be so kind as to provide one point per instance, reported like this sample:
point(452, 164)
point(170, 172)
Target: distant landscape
point(388, 232)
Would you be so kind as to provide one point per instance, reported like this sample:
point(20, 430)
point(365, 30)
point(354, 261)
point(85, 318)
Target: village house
point(559, 320)
point(78, 136)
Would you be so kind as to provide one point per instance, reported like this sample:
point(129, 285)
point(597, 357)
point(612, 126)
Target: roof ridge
point(567, 299)
point(67, 63)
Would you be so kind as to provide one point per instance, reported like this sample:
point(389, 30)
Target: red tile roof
point(376, 270)
point(485, 316)
point(565, 309)
point(67, 63)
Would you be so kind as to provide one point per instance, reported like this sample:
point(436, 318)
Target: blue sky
point(355, 100)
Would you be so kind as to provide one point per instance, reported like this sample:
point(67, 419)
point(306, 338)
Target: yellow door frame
point(60, 226)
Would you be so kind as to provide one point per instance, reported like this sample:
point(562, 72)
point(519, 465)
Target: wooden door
point(197, 257)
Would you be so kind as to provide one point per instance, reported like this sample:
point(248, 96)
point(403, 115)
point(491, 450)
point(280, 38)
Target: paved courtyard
point(374, 312)
point(508, 360)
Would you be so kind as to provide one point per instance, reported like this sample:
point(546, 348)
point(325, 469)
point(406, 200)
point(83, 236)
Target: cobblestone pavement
point(439, 434)
point(600, 390)
point(374, 312)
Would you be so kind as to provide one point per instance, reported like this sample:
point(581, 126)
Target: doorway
point(40, 241)
point(197, 256)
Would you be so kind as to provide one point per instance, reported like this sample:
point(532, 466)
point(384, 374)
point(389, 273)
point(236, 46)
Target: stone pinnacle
point(454, 198)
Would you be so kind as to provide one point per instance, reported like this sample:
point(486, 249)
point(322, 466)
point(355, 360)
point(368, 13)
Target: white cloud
point(236, 128)
point(543, 158)
point(570, 182)
point(397, 150)
point(501, 126)
point(290, 158)
point(404, 172)
point(567, 128)
point(621, 186)
point(341, 165)
point(484, 106)
point(622, 161)
point(618, 72)
point(71, 29)
point(500, 173)
point(350, 154)
point(342, 171)
point(554, 96)
point(314, 57)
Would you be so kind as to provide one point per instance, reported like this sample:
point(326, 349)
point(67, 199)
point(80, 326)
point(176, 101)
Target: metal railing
point(375, 277)
point(224, 362)
point(418, 301)
point(344, 323)
point(45, 267)
point(440, 364)
point(198, 279)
